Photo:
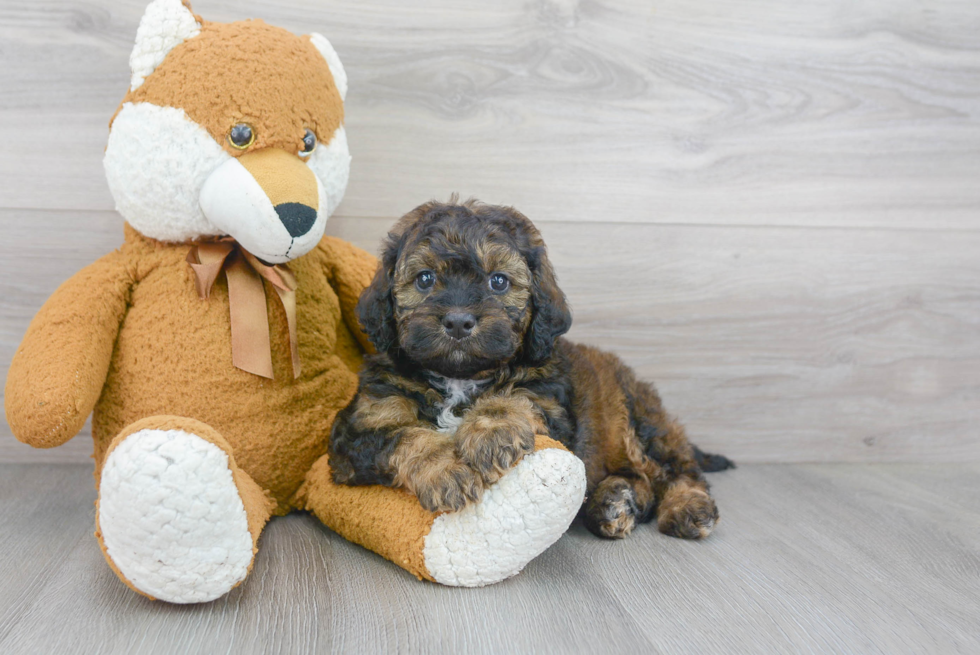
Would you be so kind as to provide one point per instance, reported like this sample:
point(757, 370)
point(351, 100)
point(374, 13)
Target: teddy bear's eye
point(309, 144)
point(241, 136)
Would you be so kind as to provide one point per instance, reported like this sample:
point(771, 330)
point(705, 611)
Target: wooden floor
point(831, 558)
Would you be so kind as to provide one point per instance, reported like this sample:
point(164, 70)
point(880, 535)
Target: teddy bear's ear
point(321, 43)
point(165, 25)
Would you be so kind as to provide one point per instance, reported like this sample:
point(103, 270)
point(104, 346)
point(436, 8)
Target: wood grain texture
point(716, 112)
point(771, 344)
point(770, 211)
point(808, 558)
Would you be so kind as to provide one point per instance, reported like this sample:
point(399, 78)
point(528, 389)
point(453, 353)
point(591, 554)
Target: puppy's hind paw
point(611, 511)
point(691, 514)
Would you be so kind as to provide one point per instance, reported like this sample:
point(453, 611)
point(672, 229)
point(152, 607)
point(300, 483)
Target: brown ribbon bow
point(251, 349)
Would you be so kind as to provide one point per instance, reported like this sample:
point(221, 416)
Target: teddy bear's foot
point(172, 520)
point(516, 519)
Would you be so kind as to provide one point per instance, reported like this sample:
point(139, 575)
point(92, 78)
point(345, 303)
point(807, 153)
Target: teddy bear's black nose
point(297, 217)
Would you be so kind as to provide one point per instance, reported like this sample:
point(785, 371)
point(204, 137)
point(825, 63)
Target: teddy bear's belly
point(173, 357)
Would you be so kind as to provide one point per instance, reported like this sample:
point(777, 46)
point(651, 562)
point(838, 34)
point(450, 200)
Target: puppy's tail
point(711, 463)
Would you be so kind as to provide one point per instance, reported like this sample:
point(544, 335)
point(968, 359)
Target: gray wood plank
point(825, 113)
point(808, 558)
point(45, 513)
point(771, 344)
point(805, 580)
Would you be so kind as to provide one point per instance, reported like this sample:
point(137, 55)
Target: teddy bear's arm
point(58, 371)
point(349, 271)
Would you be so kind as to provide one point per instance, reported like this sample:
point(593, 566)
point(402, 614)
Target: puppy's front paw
point(450, 489)
point(690, 514)
point(492, 444)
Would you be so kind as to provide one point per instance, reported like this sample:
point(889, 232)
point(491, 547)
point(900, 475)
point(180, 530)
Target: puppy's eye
point(425, 280)
point(241, 136)
point(499, 283)
point(309, 144)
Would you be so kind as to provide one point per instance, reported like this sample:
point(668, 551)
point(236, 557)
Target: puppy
point(467, 320)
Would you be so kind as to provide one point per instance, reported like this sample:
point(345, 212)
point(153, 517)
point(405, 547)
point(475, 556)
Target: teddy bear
point(216, 345)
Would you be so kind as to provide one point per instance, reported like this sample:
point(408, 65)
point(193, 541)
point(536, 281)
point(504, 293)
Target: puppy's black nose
point(458, 325)
point(297, 217)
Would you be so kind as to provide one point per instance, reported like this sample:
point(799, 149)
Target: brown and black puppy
point(467, 317)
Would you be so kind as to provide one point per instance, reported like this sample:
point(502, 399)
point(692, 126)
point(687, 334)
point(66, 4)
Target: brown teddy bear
point(218, 343)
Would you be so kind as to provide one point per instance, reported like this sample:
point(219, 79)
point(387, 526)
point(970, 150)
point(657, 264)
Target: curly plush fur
point(467, 317)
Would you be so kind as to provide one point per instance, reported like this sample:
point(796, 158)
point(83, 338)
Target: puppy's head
point(463, 289)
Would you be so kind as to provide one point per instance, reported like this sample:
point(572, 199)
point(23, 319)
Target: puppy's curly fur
point(467, 318)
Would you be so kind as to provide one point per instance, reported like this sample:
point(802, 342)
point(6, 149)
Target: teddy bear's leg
point(176, 518)
point(517, 518)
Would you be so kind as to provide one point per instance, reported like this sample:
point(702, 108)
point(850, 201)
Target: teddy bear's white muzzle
point(268, 201)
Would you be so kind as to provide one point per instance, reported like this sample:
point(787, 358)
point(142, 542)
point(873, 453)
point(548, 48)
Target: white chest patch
point(454, 392)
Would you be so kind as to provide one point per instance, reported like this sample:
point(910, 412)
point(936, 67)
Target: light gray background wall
point(772, 209)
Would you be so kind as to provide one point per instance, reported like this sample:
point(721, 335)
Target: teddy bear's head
point(229, 129)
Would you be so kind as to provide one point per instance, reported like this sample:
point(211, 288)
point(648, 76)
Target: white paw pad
point(171, 517)
point(519, 517)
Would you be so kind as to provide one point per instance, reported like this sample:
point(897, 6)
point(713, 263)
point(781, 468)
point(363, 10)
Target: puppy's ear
point(376, 306)
point(550, 316)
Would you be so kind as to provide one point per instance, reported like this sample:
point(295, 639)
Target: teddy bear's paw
point(519, 517)
point(171, 518)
